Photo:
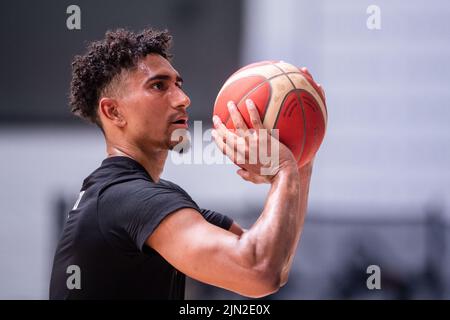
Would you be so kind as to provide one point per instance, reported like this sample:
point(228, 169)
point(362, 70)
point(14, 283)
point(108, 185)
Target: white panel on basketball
point(267, 71)
point(286, 67)
point(300, 82)
point(281, 86)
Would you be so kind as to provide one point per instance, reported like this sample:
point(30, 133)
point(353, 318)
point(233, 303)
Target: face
point(153, 104)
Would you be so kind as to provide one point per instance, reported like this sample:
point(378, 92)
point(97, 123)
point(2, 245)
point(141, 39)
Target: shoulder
point(134, 187)
point(170, 185)
point(140, 192)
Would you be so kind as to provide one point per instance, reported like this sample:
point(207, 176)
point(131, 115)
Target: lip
point(180, 125)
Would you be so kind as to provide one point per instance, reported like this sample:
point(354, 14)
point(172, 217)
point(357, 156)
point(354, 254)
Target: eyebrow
point(163, 77)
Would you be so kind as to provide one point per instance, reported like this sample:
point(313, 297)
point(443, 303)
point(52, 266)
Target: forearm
point(305, 178)
point(269, 242)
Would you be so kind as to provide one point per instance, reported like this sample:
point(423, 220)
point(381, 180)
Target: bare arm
point(274, 235)
point(305, 178)
point(252, 263)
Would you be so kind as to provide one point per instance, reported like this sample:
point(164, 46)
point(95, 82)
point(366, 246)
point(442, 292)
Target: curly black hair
point(104, 60)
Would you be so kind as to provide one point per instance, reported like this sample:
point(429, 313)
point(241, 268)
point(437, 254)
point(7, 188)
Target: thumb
point(248, 176)
point(243, 173)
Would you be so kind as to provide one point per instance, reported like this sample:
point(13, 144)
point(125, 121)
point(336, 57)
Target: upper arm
point(208, 253)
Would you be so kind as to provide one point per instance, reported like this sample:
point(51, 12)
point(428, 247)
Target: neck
point(153, 161)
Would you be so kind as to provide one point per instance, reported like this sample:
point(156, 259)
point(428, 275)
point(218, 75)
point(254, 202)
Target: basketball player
point(133, 235)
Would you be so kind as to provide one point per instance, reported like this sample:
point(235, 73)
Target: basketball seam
point(284, 99)
point(255, 88)
point(245, 97)
point(301, 106)
point(297, 94)
point(304, 123)
point(318, 93)
point(324, 114)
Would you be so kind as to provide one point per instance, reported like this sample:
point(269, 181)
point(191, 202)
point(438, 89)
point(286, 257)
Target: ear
point(109, 111)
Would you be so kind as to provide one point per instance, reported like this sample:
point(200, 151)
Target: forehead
point(154, 64)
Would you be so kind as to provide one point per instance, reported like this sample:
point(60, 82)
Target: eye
point(179, 84)
point(160, 85)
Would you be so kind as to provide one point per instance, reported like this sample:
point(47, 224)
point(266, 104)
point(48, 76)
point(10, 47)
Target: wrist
point(287, 171)
point(306, 170)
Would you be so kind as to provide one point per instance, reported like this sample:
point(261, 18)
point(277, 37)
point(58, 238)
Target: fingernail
point(230, 105)
point(249, 103)
point(215, 119)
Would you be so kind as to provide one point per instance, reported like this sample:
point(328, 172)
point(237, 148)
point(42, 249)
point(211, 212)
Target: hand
point(245, 147)
point(306, 71)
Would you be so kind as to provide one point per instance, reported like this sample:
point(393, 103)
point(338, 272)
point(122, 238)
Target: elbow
point(272, 283)
point(266, 282)
point(284, 277)
point(263, 273)
point(284, 280)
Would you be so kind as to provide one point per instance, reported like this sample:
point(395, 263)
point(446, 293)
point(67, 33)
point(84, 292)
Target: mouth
point(183, 122)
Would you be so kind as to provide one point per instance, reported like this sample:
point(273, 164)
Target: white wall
point(388, 138)
point(387, 143)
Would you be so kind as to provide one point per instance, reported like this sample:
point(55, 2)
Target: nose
point(180, 99)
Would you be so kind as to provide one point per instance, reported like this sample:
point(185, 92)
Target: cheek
point(146, 118)
point(149, 123)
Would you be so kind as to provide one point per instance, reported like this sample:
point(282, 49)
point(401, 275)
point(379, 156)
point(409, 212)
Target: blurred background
point(381, 182)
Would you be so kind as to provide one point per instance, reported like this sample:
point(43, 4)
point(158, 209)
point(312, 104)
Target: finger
point(257, 179)
point(228, 137)
point(236, 116)
point(236, 148)
point(305, 70)
point(247, 176)
point(217, 121)
point(221, 129)
point(321, 90)
point(241, 150)
point(243, 173)
point(223, 146)
point(255, 119)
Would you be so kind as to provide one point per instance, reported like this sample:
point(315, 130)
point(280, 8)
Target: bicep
point(222, 221)
point(204, 251)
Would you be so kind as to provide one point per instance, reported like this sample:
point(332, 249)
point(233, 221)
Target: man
point(134, 235)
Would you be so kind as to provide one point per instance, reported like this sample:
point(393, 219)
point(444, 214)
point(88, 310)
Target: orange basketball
point(287, 98)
